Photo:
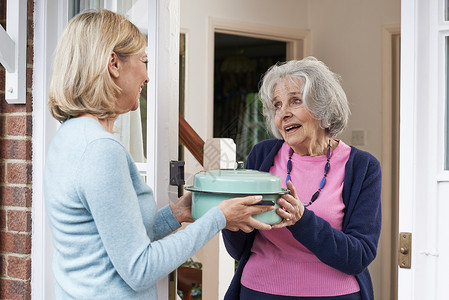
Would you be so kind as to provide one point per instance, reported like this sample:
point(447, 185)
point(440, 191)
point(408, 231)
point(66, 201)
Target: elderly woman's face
point(298, 128)
point(132, 77)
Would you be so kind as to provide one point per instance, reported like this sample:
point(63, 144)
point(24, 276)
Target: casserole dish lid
point(240, 181)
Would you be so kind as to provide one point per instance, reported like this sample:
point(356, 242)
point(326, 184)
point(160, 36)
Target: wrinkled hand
point(182, 208)
point(291, 209)
point(239, 211)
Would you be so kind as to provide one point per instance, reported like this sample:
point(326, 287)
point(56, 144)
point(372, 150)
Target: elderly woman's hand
point(182, 208)
point(291, 208)
point(239, 211)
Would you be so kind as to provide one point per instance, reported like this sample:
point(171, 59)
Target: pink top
point(281, 265)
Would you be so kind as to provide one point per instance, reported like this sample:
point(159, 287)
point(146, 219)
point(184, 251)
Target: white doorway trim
point(390, 120)
point(48, 19)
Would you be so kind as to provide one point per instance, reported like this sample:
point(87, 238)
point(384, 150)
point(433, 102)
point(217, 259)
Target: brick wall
point(15, 181)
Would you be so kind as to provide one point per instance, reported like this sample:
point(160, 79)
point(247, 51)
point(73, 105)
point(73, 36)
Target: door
point(424, 149)
point(157, 140)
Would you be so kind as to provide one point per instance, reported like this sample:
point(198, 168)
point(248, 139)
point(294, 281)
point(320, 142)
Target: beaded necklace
point(323, 181)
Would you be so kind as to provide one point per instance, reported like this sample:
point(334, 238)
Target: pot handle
point(265, 202)
point(239, 165)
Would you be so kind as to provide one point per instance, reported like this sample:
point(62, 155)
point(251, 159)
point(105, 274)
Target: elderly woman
point(110, 239)
point(332, 217)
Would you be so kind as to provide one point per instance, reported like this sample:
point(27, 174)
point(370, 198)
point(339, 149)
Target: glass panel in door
point(130, 128)
point(446, 10)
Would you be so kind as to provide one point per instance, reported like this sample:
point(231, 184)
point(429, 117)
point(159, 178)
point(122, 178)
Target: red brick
point(15, 289)
point(30, 54)
point(30, 29)
point(2, 219)
point(19, 267)
point(29, 77)
point(2, 126)
point(15, 196)
point(3, 12)
point(19, 173)
point(3, 264)
point(19, 125)
point(18, 220)
point(5, 107)
point(30, 8)
point(15, 149)
point(19, 196)
point(13, 242)
point(29, 105)
point(2, 173)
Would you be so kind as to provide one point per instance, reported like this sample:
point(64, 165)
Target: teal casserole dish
point(212, 187)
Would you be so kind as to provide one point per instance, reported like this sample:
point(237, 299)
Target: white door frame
point(47, 22)
point(424, 184)
point(50, 17)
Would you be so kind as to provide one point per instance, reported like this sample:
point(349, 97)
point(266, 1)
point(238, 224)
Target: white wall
point(345, 34)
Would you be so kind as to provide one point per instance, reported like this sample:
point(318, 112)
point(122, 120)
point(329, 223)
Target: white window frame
point(443, 69)
point(50, 18)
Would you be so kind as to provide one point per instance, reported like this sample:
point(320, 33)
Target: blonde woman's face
point(132, 76)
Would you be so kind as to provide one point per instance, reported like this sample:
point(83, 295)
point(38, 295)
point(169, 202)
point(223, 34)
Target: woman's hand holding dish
point(239, 211)
point(291, 209)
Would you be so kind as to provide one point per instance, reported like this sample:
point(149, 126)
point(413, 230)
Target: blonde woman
point(110, 240)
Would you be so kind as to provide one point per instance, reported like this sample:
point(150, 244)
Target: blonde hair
point(323, 95)
point(80, 81)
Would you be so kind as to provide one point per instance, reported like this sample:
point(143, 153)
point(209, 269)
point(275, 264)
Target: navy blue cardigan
point(350, 250)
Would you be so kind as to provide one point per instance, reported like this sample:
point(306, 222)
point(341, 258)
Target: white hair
point(323, 95)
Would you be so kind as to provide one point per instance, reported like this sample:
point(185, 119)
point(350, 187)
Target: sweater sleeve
point(106, 189)
point(165, 223)
point(354, 248)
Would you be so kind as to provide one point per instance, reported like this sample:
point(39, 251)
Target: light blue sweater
point(110, 241)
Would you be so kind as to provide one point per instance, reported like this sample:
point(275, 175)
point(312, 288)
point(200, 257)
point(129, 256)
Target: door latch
point(177, 172)
point(405, 250)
